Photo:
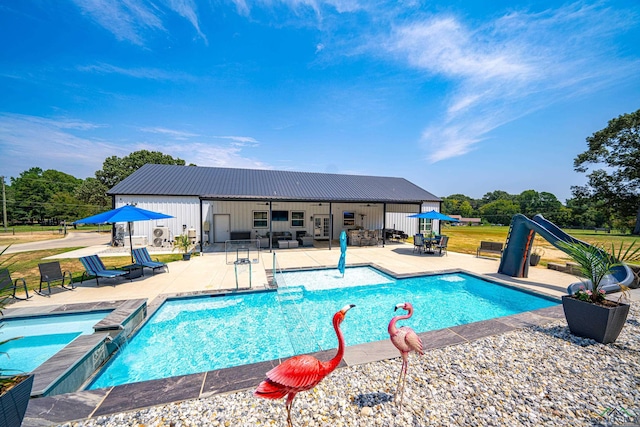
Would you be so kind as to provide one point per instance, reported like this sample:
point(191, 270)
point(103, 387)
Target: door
point(321, 227)
point(221, 227)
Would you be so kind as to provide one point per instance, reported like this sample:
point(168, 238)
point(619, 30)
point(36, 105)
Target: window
point(279, 215)
point(297, 219)
point(348, 219)
point(260, 219)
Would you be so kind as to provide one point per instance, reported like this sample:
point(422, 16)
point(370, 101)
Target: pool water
point(199, 334)
point(42, 337)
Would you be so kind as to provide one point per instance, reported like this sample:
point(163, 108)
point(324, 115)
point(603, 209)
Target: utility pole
point(4, 205)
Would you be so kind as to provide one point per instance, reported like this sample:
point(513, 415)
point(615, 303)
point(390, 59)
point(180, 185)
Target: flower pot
point(534, 259)
point(186, 257)
point(594, 321)
point(13, 403)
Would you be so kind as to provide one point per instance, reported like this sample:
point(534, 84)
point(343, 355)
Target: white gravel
point(540, 376)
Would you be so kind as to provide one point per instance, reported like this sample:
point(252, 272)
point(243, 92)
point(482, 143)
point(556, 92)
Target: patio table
point(428, 244)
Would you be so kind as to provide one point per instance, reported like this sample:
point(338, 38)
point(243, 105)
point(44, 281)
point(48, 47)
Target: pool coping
point(68, 368)
point(62, 408)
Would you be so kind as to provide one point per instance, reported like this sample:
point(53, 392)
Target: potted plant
point(536, 253)
point(183, 243)
point(15, 390)
point(588, 313)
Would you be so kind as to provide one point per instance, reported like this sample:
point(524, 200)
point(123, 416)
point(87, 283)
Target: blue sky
point(456, 96)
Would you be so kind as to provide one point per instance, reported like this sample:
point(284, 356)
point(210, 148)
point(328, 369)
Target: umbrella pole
point(130, 242)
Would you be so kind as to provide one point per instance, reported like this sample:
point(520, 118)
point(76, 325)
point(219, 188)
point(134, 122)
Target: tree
point(617, 149)
point(499, 211)
point(34, 190)
point(115, 169)
point(496, 195)
point(93, 194)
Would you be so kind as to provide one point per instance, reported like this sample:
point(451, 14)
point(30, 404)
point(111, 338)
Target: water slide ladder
point(531, 234)
point(289, 297)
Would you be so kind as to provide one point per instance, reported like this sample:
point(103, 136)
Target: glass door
point(321, 227)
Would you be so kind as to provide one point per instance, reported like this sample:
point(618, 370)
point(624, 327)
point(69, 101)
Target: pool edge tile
point(62, 408)
point(130, 397)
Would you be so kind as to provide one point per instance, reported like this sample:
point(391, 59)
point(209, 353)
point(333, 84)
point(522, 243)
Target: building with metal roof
point(219, 204)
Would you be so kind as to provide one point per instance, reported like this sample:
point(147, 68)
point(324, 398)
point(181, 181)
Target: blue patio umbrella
point(433, 215)
point(126, 213)
point(343, 252)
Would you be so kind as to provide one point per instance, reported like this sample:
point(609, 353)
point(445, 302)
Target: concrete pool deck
point(211, 273)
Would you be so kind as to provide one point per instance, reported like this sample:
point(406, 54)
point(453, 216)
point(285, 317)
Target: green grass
point(25, 264)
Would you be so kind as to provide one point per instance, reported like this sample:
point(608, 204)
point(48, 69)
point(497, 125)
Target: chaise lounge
point(142, 257)
point(94, 267)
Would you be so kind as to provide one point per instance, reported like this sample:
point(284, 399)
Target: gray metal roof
point(251, 184)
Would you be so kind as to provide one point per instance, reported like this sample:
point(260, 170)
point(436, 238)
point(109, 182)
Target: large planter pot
point(13, 404)
point(186, 257)
point(534, 259)
point(597, 322)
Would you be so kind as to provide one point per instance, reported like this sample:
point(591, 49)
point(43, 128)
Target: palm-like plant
point(595, 262)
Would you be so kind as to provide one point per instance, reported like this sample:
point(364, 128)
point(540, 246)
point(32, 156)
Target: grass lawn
point(466, 239)
point(25, 264)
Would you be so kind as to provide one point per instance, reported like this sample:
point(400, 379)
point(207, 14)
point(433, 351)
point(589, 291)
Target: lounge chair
point(142, 257)
point(94, 267)
point(418, 243)
point(442, 246)
point(51, 272)
point(7, 283)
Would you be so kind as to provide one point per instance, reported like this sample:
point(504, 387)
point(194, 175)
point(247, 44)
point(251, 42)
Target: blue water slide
point(515, 257)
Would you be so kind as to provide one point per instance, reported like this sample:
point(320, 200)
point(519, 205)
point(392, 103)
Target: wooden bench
point(490, 247)
point(606, 230)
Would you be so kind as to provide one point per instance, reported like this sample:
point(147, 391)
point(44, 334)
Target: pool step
point(301, 338)
point(291, 293)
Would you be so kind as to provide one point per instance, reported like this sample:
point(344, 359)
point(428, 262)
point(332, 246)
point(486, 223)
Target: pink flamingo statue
point(301, 373)
point(405, 340)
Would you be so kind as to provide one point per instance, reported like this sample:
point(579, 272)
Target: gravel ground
point(539, 376)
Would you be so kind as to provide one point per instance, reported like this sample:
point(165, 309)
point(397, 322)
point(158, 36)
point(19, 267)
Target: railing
point(245, 249)
point(300, 335)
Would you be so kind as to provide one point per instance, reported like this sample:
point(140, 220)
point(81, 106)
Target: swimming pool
point(198, 334)
point(42, 337)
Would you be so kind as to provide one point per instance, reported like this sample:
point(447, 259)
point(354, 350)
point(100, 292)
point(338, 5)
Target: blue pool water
point(199, 334)
point(42, 337)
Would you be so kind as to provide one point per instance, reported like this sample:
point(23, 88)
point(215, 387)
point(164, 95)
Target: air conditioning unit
point(160, 236)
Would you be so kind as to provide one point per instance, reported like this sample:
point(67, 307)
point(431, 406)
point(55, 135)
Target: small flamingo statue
point(405, 340)
point(301, 373)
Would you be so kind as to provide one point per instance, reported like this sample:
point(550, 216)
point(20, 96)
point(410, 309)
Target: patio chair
point(418, 243)
point(51, 272)
point(442, 245)
point(142, 257)
point(6, 283)
point(94, 267)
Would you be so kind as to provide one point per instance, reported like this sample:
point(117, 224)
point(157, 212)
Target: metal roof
point(252, 184)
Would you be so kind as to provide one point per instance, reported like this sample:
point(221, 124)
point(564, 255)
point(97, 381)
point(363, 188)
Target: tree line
point(49, 197)
point(610, 199)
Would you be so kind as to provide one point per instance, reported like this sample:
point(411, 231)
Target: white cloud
point(64, 141)
point(131, 20)
point(127, 20)
point(188, 10)
point(507, 68)
point(71, 146)
point(240, 141)
point(176, 134)
point(138, 73)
